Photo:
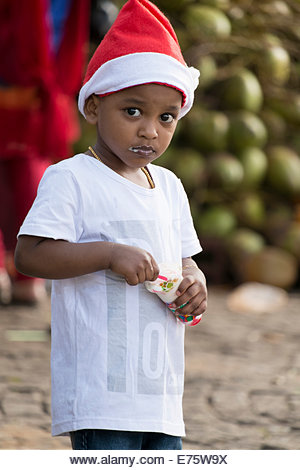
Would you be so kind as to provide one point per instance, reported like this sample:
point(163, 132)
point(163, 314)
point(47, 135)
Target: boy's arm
point(192, 289)
point(60, 259)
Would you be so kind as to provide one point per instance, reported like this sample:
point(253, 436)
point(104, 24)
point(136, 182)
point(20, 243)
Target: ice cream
point(165, 286)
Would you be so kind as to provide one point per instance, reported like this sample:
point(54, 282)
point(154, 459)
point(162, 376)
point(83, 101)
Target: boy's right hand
point(134, 264)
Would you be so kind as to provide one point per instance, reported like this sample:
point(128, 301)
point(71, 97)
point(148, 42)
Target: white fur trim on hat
point(141, 68)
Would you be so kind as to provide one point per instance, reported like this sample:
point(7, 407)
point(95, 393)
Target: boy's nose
point(148, 130)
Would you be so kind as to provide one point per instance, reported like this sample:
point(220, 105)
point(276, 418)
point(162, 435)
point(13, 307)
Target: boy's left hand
point(191, 291)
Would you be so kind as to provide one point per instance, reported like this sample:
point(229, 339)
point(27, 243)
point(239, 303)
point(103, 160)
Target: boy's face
point(135, 125)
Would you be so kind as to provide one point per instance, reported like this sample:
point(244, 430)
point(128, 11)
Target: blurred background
point(237, 152)
point(238, 155)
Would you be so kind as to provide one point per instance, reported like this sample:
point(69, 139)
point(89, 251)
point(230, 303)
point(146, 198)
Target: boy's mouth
point(143, 150)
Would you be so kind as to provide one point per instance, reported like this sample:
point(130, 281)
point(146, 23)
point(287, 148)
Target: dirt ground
point(242, 378)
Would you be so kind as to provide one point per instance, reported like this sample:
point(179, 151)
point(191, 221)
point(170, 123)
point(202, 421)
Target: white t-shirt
point(117, 355)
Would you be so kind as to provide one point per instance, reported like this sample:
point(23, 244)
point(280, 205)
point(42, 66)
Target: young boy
point(101, 223)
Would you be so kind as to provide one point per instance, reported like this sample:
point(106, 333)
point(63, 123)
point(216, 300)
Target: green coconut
point(167, 159)
point(202, 20)
point(287, 106)
point(208, 70)
point(183, 37)
point(189, 166)
point(276, 7)
point(242, 91)
point(240, 244)
point(194, 206)
point(250, 210)
point(246, 130)
point(221, 4)
point(255, 164)
point(244, 241)
point(275, 124)
point(275, 65)
point(295, 142)
point(273, 266)
point(291, 240)
point(216, 222)
point(173, 6)
point(277, 221)
point(208, 131)
point(291, 109)
point(284, 170)
point(225, 171)
point(270, 40)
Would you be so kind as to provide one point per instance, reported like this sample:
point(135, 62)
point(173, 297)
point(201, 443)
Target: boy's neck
point(140, 176)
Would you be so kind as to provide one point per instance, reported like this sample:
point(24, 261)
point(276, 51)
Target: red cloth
point(38, 113)
point(2, 252)
point(38, 107)
point(19, 179)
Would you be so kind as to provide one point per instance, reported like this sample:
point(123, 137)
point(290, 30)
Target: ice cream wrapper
point(166, 285)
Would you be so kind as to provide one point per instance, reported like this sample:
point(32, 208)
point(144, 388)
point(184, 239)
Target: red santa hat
point(141, 47)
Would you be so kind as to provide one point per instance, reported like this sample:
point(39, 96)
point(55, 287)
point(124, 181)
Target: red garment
point(19, 179)
point(38, 113)
point(2, 252)
point(17, 193)
point(37, 106)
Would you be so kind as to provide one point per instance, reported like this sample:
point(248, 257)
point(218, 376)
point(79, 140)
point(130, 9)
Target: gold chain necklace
point(144, 170)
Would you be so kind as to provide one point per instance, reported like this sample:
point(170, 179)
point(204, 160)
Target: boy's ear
point(91, 109)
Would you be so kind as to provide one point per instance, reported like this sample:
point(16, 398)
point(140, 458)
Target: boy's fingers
point(203, 306)
point(186, 291)
point(155, 270)
point(193, 297)
point(184, 285)
point(148, 272)
point(151, 272)
point(194, 306)
point(132, 279)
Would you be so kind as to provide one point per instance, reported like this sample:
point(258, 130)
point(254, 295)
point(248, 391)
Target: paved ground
point(242, 379)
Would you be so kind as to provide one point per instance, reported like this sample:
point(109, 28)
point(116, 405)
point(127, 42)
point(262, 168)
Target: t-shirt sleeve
point(190, 244)
point(55, 212)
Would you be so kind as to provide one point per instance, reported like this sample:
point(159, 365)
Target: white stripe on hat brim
point(141, 68)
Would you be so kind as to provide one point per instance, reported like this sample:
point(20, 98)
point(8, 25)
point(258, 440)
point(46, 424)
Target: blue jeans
point(102, 439)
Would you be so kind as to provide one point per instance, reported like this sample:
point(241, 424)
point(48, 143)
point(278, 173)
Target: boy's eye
point(167, 117)
point(133, 112)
